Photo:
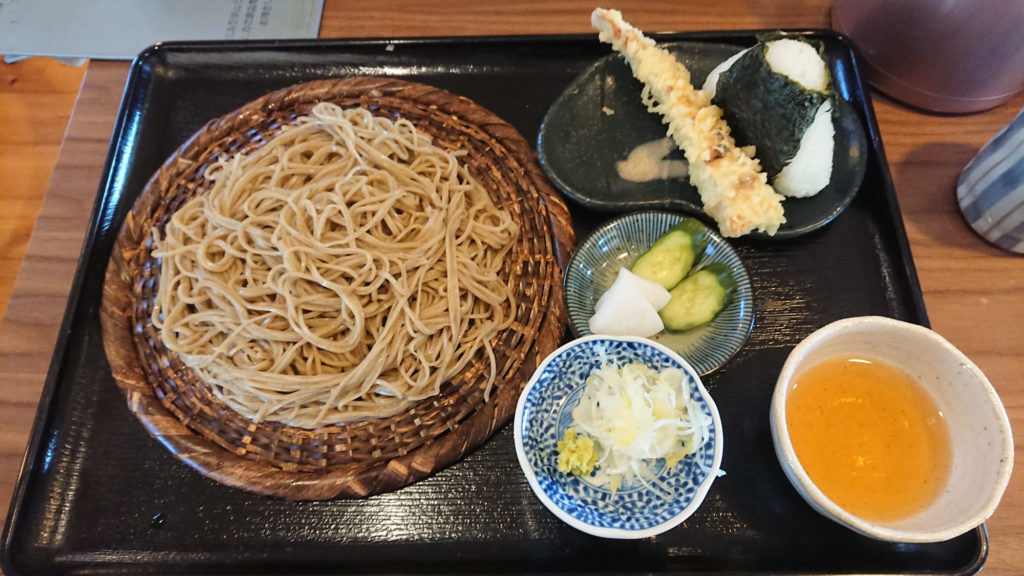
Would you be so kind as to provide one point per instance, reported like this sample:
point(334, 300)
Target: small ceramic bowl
point(544, 413)
point(981, 440)
point(617, 244)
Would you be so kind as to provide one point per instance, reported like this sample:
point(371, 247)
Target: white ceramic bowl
point(981, 441)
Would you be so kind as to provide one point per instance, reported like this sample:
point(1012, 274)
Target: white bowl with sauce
point(953, 452)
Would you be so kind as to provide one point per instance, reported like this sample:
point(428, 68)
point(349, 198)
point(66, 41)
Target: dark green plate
point(600, 118)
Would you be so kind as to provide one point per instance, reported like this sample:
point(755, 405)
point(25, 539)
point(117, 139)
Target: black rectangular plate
point(97, 494)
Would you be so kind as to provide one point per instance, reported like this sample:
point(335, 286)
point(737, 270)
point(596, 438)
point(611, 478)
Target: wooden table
point(974, 292)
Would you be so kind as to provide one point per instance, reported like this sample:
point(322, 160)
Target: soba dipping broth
point(870, 437)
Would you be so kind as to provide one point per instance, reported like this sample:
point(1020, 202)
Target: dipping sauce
point(869, 436)
point(647, 162)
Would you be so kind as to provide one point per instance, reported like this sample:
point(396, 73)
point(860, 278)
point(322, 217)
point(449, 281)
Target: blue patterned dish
point(616, 244)
point(545, 411)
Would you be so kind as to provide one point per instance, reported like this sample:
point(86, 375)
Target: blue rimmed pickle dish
point(617, 244)
point(633, 511)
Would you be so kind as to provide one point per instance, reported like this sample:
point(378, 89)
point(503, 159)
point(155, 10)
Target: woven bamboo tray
point(363, 458)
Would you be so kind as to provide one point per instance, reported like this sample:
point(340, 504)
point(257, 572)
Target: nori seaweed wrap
point(770, 110)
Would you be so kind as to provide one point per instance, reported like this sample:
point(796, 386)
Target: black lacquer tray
point(98, 495)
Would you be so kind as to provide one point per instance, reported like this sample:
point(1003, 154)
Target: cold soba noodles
point(342, 271)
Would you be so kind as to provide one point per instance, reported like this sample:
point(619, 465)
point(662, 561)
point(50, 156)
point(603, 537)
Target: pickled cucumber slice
point(699, 297)
point(672, 255)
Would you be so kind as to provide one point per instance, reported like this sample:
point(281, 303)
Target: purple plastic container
point(952, 56)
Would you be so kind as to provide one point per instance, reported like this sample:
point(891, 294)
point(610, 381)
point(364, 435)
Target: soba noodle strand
point(342, 271)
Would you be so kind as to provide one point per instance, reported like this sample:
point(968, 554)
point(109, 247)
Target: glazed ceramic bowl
point(634, 510)
point(617, 244)
point(981, 440)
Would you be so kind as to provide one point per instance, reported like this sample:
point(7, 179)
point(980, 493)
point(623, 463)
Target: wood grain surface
point(973, 291)
point(36, 99)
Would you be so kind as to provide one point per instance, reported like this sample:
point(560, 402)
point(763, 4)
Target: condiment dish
point(981, 443)
point(617, 244)
point(544, 412)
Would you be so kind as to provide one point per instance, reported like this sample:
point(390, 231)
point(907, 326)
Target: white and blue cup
point(991, 188)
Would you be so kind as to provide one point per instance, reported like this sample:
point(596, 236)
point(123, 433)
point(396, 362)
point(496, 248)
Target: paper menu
point(120, 29)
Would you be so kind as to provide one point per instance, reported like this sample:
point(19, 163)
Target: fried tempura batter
point(732, 187)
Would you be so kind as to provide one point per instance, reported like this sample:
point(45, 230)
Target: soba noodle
point(342, 271)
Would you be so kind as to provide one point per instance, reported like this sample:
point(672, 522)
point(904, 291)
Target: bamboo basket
point(373, 456)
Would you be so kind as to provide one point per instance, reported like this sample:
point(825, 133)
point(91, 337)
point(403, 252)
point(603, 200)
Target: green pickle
point(699, 297)
point(672, 255)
